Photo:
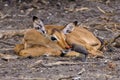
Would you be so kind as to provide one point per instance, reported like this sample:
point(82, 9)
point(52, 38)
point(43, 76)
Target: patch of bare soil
point(101, 17)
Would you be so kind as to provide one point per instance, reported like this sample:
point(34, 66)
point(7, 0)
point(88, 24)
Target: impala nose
point(68, 47)
point(43, 32)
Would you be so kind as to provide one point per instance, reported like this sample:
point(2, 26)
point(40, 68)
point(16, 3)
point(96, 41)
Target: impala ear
point(69, 27)
point(75, 23)
point(34, 18)
point(38, 25)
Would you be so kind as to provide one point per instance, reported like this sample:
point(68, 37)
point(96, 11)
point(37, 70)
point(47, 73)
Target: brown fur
point(82, 36)
point(36, 44)
point(85, 38)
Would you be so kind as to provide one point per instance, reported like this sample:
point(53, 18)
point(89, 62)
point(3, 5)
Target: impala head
point(38, 25)
point(59, 37)
point(69, 27)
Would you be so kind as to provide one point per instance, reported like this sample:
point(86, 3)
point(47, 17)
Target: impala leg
point(39, 51)
point(18, 48)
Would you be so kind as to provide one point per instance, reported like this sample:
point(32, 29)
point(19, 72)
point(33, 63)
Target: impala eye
point(53, 38)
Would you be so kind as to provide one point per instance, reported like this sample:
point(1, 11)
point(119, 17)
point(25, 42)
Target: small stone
point(6, 5)
point(1, 36)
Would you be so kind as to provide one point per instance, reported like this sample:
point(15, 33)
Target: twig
point(81, 71)
point(2, 16)
point(5, 49)
point(7, 43)
point(11, 33)
point(60, 63)
point(73, 77)
point(7, 57)
point(101, 10)
point(108, 43)
point(67, 63)
point(36, 63)
point(24, 78)
point(27, 12)
point(77, 9)
point(66, 77)
point(108, 29)
point(81, 9)
point(115, 38)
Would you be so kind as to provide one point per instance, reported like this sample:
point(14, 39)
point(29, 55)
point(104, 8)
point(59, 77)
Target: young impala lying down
point(53, 40)
point(80, 36)
point(40, 41)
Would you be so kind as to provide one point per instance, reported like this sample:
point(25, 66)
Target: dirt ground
point(101, 15)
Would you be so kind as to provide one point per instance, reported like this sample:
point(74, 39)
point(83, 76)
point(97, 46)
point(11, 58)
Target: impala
point(53, 40)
